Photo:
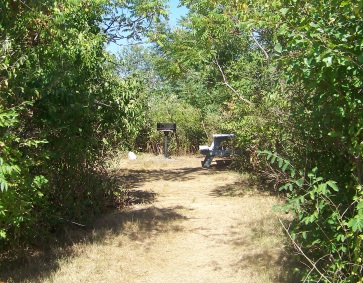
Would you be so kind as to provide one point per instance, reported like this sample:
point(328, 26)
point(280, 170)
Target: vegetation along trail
point(186, 224)
point(77, 84)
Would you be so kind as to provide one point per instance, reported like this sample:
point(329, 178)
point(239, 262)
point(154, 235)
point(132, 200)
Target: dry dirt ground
point(184, 224)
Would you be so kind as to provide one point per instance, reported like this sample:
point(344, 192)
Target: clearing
point(184, 224)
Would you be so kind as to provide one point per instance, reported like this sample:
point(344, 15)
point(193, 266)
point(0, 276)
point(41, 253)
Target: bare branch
point(103, 104)
point(225, 82)
point(22, 2)
point(313, 264)
point(260, 46)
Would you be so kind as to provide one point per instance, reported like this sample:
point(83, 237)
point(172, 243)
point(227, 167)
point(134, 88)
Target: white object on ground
point(131, 155)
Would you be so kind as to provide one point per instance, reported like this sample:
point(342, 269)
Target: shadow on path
point(134, 178)
point(138, 224)
point(236, 189)
point(142, 224)
point(135, 224)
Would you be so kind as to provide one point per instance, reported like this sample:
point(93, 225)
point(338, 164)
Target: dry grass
point(187, 224)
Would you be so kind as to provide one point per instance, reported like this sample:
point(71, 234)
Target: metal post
point(166, 144)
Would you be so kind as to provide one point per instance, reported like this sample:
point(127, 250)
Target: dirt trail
point(192, 225)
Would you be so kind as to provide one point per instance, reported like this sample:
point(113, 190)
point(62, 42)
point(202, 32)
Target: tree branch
point(260, 46)
point(313, 264)
point(225, 82)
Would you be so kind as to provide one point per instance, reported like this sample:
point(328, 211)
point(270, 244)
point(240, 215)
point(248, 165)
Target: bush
point(192, 128)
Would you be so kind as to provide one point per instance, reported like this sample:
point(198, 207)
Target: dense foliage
point(61, 106)
point(288, 77)
point(322, 50)
point(284, 76)
point(167, 98)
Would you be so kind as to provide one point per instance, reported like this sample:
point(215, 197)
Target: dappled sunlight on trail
point(184, 224)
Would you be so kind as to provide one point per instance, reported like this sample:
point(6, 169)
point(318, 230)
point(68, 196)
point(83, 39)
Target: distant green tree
point(226, 59)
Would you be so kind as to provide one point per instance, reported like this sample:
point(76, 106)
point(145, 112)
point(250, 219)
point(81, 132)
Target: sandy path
point(192, 225)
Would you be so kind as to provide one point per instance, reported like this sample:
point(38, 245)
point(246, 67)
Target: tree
point(321, 50)
point(292, 70)
point(61, 106)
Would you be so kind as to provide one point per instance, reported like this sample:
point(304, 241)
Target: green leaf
point(321, 188)
point(317, 180)
point(3, 185)
point(284, 167)
point(299, 182)
point(360, 58)
point(304, 235)
point(273, 159)
point(314, 25)
point(280, 162)
point(278, 47)
point(284, 11)
point(2, 234)
point(360, 205)
point(292, 173)
point(340, 237)
point(356, 223)
point(333, 185)
point(312, 195)
point(328, 61)
point(287, 186)
point(344, 3)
